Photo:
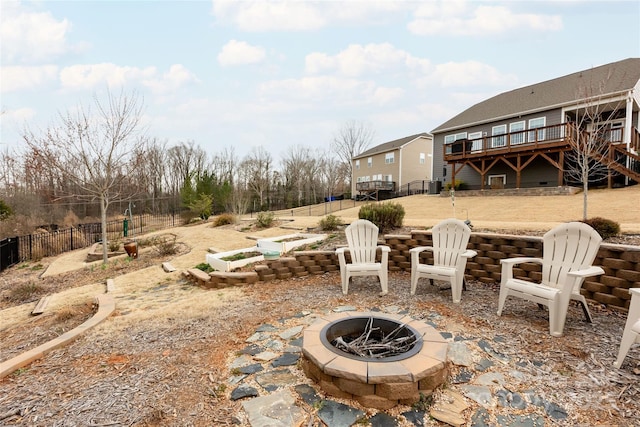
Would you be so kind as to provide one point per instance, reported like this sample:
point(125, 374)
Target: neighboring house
point(523, 138)
point(393, 167)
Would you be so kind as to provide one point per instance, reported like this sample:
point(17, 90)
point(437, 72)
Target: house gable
point(617, 77)
point(399, 161)
point(508, 119)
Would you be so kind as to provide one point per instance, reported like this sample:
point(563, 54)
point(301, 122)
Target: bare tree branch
point(92, 153)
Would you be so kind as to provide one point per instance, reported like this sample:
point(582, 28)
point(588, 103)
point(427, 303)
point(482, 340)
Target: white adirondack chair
point(568, 251)
point(362, 237)
point(450, 238)
point(631, 333)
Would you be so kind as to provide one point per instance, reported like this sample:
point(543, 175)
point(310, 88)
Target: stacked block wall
point(621, 264)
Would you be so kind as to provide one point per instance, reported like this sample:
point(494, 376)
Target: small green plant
point(385, 215)
point(241, 255)
point(224, 219)
point(329, 223)
point(265, 219)
point(605, 227)
point(362, 421)
point(424, 403)
point(20, 371)
point(204, 267)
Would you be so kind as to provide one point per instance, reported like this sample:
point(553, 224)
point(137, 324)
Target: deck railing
point(514, 141)
point(376, 185)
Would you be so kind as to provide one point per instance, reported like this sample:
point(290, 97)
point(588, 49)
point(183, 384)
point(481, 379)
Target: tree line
point(99, 156)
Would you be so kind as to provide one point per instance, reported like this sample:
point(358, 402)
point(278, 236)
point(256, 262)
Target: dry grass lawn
point(161, 359)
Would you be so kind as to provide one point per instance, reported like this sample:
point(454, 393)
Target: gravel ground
point(162, 359)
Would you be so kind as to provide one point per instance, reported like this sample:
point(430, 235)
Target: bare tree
point(333, 174)
point(187, 160)
point(353, 138)
point(295, 165)
point(589, 160)
point(256, 171)
point(224, 165)
point(93, 152)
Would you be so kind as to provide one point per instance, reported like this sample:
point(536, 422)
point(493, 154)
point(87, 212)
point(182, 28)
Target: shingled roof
point(554, 93)
point(391, 145)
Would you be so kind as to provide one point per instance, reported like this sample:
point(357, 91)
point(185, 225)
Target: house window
point(516, 129)
point(389, 158)
point(369, 162)
point(357, 164)
point(422, 158)
point(359, 179)
point(535, 124)
point(388, 178)
point(449, 140)
point(377, 177)
point(498, 139)
point(476, 141)
point(615, 133)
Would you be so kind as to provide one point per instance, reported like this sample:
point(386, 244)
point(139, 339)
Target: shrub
point(26, 292)
point(385, 215)
point(605, 227)
point(458, 185)
point(329, 223)
point(5, 210)
point(70, 219)
point(114, 245)
point(164, 244)
point(224, 219)
point(265, 219)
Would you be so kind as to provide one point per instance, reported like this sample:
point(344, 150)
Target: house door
point(496, 182)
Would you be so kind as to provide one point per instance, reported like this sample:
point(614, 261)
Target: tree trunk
point(585, 192)
point(103, 221)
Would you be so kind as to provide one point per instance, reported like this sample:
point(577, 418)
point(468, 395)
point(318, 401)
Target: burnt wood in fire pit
point(371, 338)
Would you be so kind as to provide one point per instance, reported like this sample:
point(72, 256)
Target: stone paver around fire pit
point(267, 376)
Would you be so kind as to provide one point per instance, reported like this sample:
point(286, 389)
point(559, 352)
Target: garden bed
point(231, 260)
point(286, 243)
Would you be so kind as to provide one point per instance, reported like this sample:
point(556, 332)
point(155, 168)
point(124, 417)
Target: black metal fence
point(9, 254)
point(51, 243)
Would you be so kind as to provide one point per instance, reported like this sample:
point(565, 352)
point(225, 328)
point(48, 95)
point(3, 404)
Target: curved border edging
point(106, 306)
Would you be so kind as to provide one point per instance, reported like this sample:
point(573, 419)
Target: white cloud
point(295, 15)
point(461, 19)
point(19, 115)
point(240, 53)
point(357, 60)
point(386, 95)
point(31, 37)
point(177, 77)
point(334, 91)
point(91, 75)
point(16, 78)
point(270, 15)
point(468, 73)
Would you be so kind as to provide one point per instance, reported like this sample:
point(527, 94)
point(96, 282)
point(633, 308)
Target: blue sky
point(277, 74)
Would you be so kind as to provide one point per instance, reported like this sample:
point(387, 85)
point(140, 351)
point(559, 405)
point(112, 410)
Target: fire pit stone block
point(376, 384)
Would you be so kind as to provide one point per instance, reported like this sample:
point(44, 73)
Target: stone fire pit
point(377, 383)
